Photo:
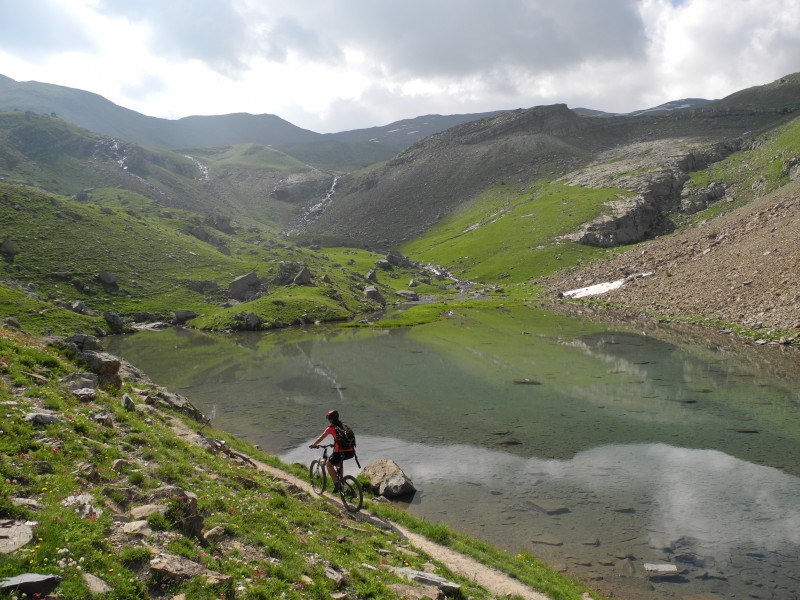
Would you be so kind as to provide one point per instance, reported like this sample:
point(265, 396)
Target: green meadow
point(514, 233)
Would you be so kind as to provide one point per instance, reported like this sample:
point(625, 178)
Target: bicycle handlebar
point(321, 446)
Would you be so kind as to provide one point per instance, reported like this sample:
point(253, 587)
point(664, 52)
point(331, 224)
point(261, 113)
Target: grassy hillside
point(162, 262)
point(763, 166)
point(512, 233)
point(250, 184)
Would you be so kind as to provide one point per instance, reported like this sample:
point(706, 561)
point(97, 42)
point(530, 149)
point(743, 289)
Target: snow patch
point(594, 290)
point(601, 288)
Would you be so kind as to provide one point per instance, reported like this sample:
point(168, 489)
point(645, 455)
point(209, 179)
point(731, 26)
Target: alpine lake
point(649, 461)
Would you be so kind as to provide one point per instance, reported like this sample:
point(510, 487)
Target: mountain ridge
point(339, 151)
point(400, 199)
point(342, 151)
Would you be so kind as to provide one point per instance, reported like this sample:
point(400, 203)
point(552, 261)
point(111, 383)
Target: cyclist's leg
point(335, 466)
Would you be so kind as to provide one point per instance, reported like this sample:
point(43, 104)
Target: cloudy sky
point(335, 65)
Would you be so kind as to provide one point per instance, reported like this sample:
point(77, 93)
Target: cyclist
point(339, 454)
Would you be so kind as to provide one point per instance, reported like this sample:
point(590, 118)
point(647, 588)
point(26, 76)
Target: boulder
point(304, 277)
point(398, 260)
point(107, 278)
point(83, 342)
point(140, 528)
point(114, 322)
point(32, 584)
point(96, 585)
point(128, 403)
point(372, 293)
point(408, 295)
point(387, 479)
point(8, 248)
point(84, 505)
point(179, 317)
point(84, 394)
point(41, 418)
point(165, 567)
point(247, 322)
point(14, 535)
point(105, 365)
point(174, 402)
point(449, 588)
point(244, 287)
point(77, 381)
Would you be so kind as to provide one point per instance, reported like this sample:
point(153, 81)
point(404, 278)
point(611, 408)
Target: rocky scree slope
point(742, 268)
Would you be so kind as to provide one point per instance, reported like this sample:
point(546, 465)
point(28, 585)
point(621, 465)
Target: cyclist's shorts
point(337, 457)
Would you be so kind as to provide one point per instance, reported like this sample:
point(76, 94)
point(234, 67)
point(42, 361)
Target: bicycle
point(350, 491)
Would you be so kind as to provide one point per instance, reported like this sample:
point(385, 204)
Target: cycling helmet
point(332, 415)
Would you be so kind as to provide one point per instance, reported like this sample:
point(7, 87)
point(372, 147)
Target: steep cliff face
point(656, 173)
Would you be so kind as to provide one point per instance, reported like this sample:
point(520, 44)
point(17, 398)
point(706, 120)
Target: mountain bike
point(350, 490)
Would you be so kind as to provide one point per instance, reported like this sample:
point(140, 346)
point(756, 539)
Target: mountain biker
point(339, 454)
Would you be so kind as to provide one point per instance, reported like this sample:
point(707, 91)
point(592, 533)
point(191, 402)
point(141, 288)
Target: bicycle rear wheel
point(352, 496)
point(318, 476)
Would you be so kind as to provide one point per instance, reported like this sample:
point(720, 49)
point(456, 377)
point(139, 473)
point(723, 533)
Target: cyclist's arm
point(320, 438)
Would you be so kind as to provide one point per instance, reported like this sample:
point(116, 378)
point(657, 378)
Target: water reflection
point(630, 445)
point(712, 515)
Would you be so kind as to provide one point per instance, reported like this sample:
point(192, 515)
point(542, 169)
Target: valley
point(462, 240)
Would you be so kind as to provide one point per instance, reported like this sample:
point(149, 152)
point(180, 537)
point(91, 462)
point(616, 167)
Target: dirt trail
point(497, 583)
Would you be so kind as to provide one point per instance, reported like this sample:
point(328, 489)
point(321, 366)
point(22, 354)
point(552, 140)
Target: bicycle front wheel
point(352, 496)
point(318, 476)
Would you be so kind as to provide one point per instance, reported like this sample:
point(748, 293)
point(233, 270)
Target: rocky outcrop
point(657, 191)
point(791, 168)
point(693, 201)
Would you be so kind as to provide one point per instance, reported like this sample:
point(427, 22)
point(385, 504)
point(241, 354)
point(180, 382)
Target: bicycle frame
point(349, 491)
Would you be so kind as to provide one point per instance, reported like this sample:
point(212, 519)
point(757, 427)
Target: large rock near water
point(387, 479)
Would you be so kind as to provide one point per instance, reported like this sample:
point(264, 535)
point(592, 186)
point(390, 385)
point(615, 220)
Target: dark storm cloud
point(288, 35)
point(452, 38)
point(37, 29)
point(206, 30)
point(414, 38)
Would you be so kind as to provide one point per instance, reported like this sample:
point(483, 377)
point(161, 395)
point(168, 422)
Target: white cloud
point(331, 66)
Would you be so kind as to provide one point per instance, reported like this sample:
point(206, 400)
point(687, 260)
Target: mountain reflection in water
point(632, 445)
point(712, 515)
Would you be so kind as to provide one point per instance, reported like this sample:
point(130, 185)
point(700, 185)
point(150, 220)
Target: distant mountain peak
point(666, 107)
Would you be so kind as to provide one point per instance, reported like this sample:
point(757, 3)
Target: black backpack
point(345, 438)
